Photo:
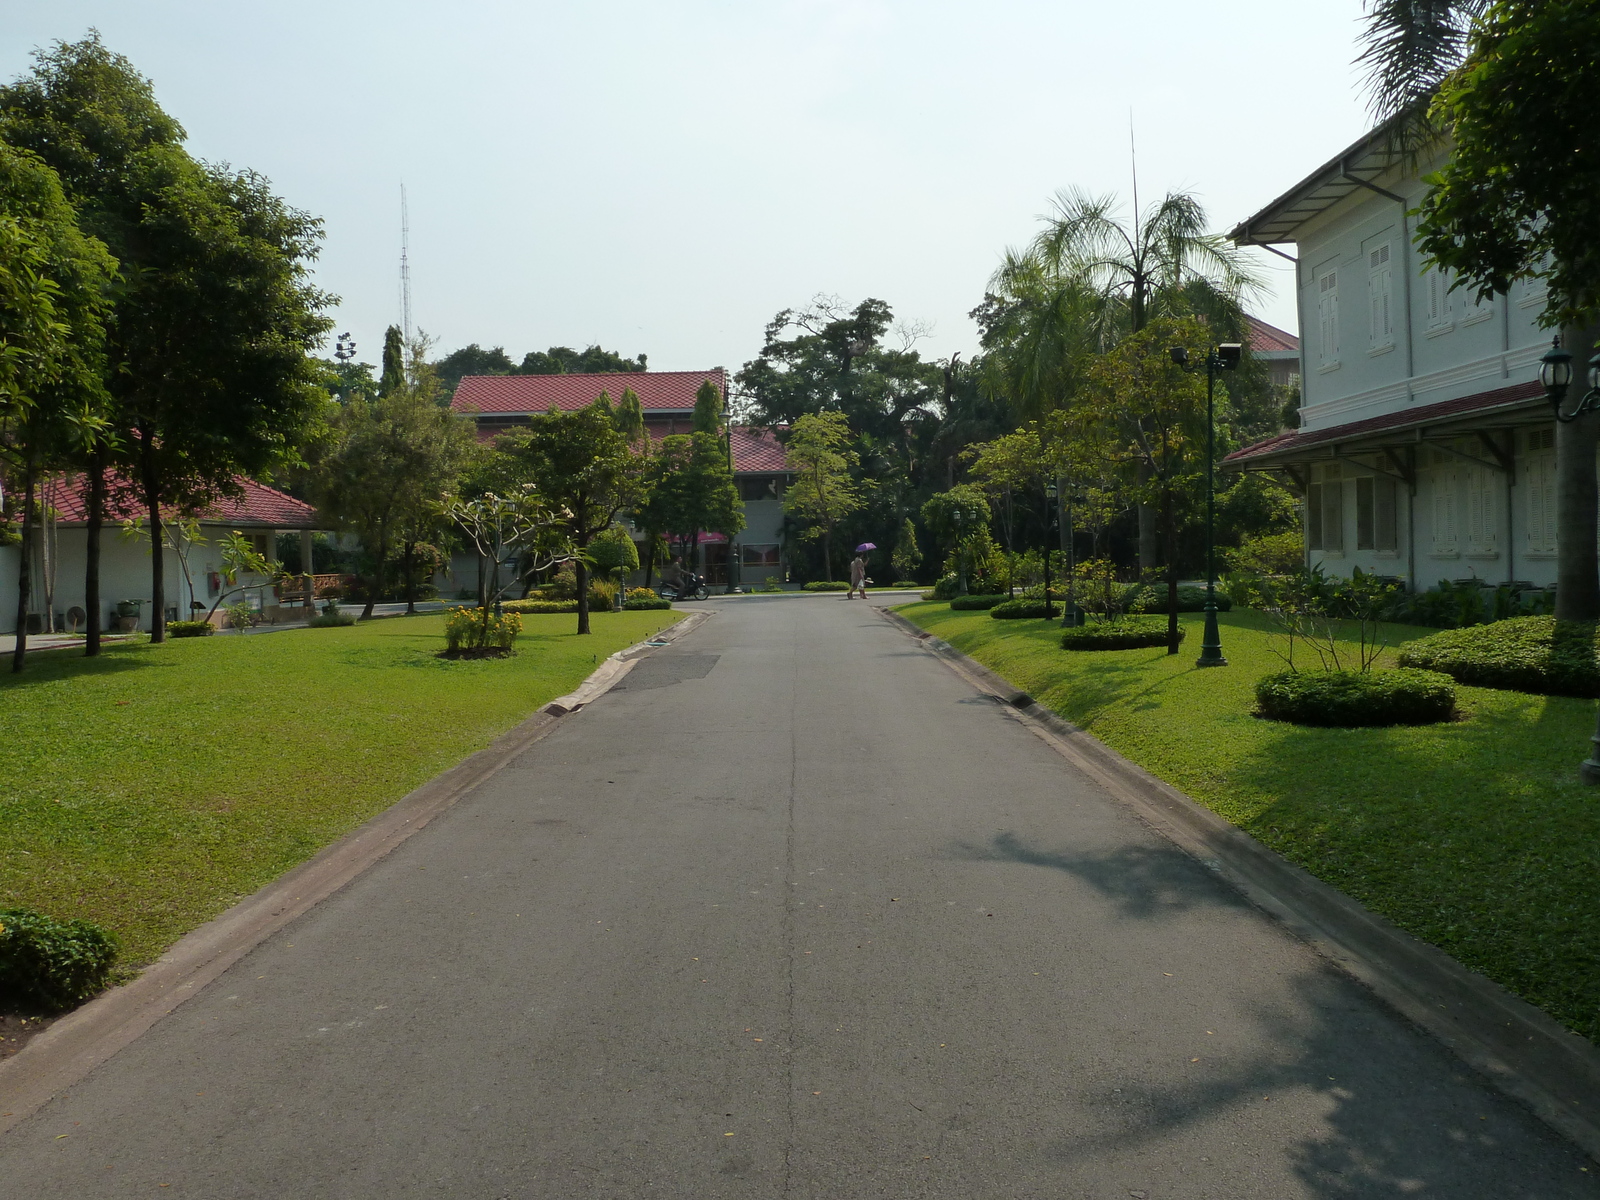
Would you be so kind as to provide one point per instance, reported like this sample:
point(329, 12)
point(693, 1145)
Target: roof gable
point(258, 506)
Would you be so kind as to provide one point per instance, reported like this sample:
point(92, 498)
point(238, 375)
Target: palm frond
point(1409, 48)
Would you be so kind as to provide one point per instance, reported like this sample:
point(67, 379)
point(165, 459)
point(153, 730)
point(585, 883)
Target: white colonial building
point(1426, 449)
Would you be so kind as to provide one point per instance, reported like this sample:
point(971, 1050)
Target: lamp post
point(1555, 373)
point(961, 556)
point(1223, 357)
point(1050, 495)
point(733, 550)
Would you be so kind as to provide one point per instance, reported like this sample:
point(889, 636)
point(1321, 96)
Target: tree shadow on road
point(1401, 1116)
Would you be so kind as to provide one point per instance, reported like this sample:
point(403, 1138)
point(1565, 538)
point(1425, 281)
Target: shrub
point(1351, 698)
point(539, 606)
point(641, 605)
point(1267, 554)
point(466, 629)
point(1152, 598)
point(1524, 654)
point(241, 615)
point(51, 964)
point(974, 603)
point(1022, 609)
point(1130, 633)
point(641, 593)
point(331, 618)
point(827, 585)
point(602, 595)
point(190, 629)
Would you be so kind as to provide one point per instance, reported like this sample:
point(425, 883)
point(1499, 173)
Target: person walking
point(858, 577)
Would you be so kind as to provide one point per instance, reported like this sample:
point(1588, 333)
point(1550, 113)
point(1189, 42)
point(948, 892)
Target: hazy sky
point(663, 177)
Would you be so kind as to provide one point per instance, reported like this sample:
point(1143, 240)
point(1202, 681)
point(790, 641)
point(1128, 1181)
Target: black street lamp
point(1555, 373)
point(1224, 357)
point(1050, 493)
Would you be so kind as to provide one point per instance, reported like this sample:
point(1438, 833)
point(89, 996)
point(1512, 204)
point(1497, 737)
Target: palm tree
point(1089, 279)
point(1411, 48)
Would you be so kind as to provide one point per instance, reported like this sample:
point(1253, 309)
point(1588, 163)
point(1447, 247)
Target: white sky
point(663, 177)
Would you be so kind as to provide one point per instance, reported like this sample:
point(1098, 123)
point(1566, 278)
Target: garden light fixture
point(1223, 357)
point(1555, 374)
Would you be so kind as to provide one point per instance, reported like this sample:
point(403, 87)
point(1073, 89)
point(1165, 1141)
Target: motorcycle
point(690, 587)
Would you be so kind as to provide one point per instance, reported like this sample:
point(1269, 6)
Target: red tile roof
point(258, 507)
point(1516, 395)
point(1266, 339)
point(658, 390)
point(757, 449)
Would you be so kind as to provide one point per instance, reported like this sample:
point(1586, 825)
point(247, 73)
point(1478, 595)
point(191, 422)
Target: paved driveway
point(790, 913)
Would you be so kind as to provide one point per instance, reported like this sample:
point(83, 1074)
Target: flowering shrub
point(478, 628)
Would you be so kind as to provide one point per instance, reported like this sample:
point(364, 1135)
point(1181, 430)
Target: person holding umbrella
point(858, 571)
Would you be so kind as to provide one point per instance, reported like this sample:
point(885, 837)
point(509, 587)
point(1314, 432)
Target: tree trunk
point(47, 563)
point(158, 562)
point(1577, 576)
point(1149, 535)
point(91, 567)
point(827, 553)
point(581, 569)
point(406, 567)
point(649, 558)
point(1171, 542)
point(24, 568)
point(376, 586)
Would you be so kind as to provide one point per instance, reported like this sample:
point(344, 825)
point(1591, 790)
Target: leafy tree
point(613, 553)
point(396, 460)
point(823, 492)
point(959, 520)
point(520, 525)
point(472, 360)
point(630, 416)
point(581, 464)
point(708, 408)
point(201, 247)
point(563, 360)
point(394, 361)
point(349, 380)
point(906, 557)
point(1142, 411)
point(54, 294)
point(689, 490)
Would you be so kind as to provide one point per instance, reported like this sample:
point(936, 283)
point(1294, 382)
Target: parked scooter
point(690, 587)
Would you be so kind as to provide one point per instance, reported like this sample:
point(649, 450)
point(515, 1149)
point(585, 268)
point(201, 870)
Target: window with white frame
point(1473, 309)
point(1438, 284)
point(1328, 319)
point(1379, 303)
point(1443, 483)
point(1482, 509)
point(1536, 475)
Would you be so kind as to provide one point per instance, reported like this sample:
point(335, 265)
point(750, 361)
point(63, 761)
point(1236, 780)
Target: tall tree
point(394, 361)
point(708, 408)
point(823, 492)
point(472, 360)
point(630, 416)
point(689, 490)
point(207, 348)
point(54, 293)
point(564, 360)
point(394, 465)
point(581, 464)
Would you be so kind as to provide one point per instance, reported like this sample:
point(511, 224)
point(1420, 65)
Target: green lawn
point(1475, 836)
point(153, 787)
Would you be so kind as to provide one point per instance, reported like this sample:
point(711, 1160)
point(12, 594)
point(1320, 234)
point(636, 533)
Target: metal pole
point(1211, 645)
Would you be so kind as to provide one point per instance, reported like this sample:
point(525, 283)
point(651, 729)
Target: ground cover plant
point(150, 788)
point(1524, 654)
point(1126, 633)
point(1024, 608)
point(1474, 835)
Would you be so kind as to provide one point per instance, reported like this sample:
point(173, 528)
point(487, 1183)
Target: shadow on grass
point(1401, 1117)
point(61, 664)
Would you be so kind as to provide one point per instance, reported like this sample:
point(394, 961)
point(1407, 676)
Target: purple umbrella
point(865, 546)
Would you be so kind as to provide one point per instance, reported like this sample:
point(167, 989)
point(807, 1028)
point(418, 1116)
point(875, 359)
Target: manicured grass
point(1473, 835)
point(151, 788)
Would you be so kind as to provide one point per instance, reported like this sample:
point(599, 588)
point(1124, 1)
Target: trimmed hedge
point(978, 603)
point(1022, 609)
point(1349, 698)
point(1130, 633)
point(827, 585)
point(48, 964)
point(1524, 654)
point(640, 605)
point(542, 606)
point(1152, 598)
point(332, 620)
point(190, 629)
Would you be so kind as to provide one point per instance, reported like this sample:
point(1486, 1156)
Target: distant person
point(673, 572)
point(858, 578)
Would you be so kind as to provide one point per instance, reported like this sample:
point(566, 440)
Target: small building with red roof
point(501, 403)
point(192, 567)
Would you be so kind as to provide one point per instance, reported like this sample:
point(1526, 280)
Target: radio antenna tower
point(405, 267)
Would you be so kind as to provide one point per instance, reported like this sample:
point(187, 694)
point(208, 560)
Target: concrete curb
point(80, 1041)
point(1519, 1049)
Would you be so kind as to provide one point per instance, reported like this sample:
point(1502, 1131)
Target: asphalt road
point(791, 913)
